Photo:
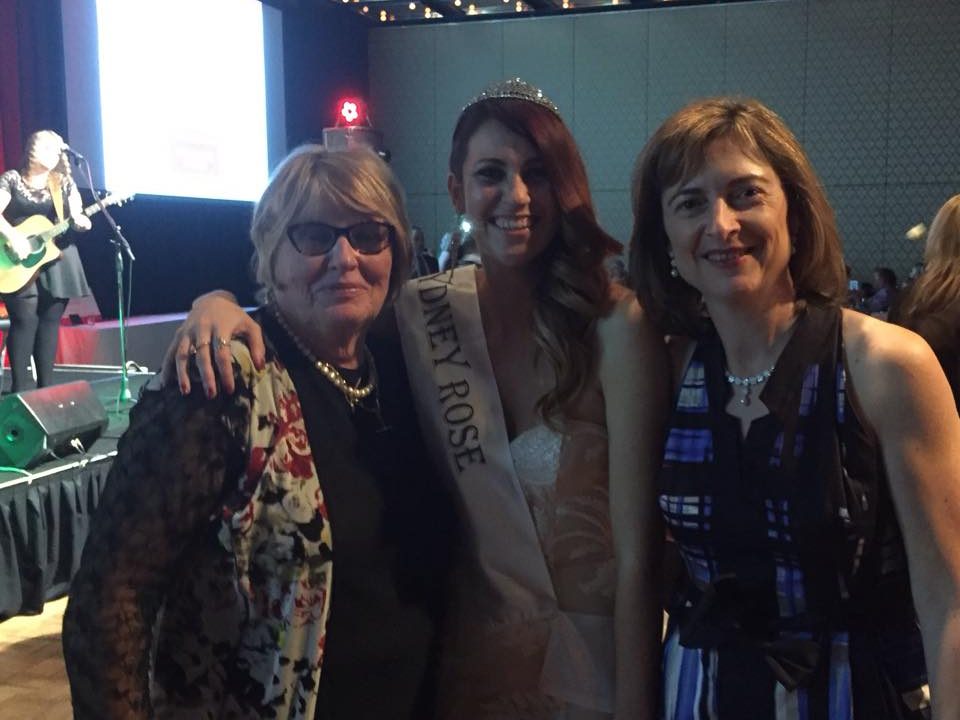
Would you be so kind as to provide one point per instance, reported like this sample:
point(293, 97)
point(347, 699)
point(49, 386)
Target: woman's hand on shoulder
point(204, 339)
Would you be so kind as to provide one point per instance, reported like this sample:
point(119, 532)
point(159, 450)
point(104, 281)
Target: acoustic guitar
point(41, 234)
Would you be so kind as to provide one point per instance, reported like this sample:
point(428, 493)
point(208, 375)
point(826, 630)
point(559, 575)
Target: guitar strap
point(53, 183)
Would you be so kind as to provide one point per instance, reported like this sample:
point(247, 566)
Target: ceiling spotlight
point(412, 6)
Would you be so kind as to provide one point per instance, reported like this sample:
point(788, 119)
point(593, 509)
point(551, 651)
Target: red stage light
point(351, 112)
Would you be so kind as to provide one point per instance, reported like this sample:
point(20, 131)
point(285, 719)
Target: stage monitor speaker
point(46, 422)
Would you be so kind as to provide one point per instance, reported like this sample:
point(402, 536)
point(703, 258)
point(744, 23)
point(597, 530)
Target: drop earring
point(674, 273)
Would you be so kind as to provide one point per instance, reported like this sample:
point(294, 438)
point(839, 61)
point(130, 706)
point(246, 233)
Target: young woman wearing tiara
point(540, 389)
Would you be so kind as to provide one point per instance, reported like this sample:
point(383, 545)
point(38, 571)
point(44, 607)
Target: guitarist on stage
point(43, 187)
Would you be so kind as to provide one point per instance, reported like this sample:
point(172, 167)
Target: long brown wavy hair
point(938, 286)
point(572, 288)
point(677, 150)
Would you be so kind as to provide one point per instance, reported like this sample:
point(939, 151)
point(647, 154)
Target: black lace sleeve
point(165, 484)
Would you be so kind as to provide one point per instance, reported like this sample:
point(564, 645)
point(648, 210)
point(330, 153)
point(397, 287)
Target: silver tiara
point(515, 89)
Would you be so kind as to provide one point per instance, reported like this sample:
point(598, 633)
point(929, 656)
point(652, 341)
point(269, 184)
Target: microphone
point(71, 153)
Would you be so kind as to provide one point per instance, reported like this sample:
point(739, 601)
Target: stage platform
point(45, 511)
point(99, 343)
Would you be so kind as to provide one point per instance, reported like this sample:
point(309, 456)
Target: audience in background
point(931, 306)
point(878, 303)
point(617, 269)
point(424, 263)
point(458, 248)
point(915, 272)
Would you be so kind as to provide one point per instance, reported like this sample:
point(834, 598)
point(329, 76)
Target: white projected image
point(183, 97)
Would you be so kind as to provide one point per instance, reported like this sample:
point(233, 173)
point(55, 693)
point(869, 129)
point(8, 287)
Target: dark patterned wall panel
point(541, 52)
point(924, 143)
point(614, 213)
point(446, 218)
point(860, 220)
point(686, 58)
point(906, 205)
point(871, 87)
point(422, 209)
point(766, 48)
point(847, 90)
point(469, 57)
point(402, 101)
point(610, 85)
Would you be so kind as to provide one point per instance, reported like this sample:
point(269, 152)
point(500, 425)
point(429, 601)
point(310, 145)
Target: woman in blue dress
point(809, 478)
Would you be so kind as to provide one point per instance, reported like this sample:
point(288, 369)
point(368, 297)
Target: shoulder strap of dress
point(857, 505)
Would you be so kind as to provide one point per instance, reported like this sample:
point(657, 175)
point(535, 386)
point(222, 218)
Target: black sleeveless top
point(797, 590)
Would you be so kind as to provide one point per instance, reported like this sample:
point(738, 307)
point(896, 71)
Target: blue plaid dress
point(797, 603)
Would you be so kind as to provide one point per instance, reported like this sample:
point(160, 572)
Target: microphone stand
point(122, 247)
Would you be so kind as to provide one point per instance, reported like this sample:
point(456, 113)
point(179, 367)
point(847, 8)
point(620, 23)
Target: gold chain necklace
point(352, 394)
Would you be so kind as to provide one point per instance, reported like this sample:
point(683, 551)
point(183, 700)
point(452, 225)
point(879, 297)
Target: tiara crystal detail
point(515, 89)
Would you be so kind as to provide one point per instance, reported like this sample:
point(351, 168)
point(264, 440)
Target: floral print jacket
point(204, 590)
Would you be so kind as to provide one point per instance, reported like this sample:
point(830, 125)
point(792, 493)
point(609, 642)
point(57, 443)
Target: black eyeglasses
point(317, 238)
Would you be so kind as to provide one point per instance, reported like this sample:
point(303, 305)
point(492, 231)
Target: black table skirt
point(43, 525)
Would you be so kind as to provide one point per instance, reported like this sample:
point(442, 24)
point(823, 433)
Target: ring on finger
point(220, 342)
point(202, 343)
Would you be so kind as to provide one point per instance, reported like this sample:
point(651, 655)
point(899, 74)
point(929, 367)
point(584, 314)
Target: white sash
point(462, 419)
point(508, 634)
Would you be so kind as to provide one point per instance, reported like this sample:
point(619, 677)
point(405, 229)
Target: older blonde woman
point(266, 542)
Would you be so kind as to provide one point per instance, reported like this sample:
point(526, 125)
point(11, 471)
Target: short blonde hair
point(355, 179)
point(677, 151)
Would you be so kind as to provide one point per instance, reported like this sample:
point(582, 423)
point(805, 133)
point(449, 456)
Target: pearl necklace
point(749, 382)
point(352, 394)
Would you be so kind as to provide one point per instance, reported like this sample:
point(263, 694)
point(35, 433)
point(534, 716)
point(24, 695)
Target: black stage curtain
point(43, 526)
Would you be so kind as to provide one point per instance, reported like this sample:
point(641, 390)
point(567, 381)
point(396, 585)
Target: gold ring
point(202, 343)
point(221, 342)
